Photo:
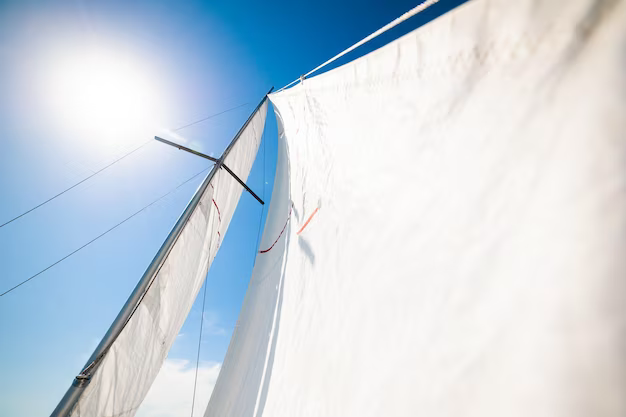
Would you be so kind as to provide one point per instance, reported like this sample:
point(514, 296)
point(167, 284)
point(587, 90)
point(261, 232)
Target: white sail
point(131, 364)
point(457, 237)
point(243, 369)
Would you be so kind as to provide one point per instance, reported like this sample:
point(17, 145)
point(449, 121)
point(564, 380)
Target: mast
point(81, 381)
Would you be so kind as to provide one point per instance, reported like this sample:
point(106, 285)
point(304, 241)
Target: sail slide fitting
point(81, 380)
point(220, 163)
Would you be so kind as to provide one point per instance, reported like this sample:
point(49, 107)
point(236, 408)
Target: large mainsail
point(447, 231)
point(120, 374)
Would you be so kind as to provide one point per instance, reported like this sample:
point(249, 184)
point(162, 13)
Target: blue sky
point(195, 59)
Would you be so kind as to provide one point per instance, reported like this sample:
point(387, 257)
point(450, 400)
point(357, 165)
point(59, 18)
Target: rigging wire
point(195, 382)
point(113, 163)
point(104, 233)
point(390, 25)
point(77, 184)
point(209, 117)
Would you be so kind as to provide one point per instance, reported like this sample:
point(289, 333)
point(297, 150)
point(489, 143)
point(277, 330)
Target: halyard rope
point(395, 22)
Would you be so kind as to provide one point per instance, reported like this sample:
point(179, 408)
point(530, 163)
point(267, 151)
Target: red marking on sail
point(307, 221)
point(219, 216)
point(281, 233)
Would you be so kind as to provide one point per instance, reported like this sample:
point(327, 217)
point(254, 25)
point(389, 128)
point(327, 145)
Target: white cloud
point(172, 391)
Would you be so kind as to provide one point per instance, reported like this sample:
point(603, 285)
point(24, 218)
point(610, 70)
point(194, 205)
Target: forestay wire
point(395, 22)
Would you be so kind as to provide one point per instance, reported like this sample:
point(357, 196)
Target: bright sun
point(102, 93)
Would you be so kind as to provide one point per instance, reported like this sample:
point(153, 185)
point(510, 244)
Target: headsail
point(448, 235)
point(128, 359)
point(244, 367)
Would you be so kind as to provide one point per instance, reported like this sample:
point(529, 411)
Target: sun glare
point(98, 92)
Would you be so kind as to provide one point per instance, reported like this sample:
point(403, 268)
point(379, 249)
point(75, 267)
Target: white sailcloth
point(133, 362)
point(243, 370)
point(457, 236)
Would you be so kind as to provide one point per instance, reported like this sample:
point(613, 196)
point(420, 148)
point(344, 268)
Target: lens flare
point(100, 93)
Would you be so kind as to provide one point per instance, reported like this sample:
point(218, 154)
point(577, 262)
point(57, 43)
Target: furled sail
point(447, 232)
point(125, 372)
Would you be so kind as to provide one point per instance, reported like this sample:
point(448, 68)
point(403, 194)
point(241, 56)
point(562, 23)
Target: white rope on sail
point(419, 8)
